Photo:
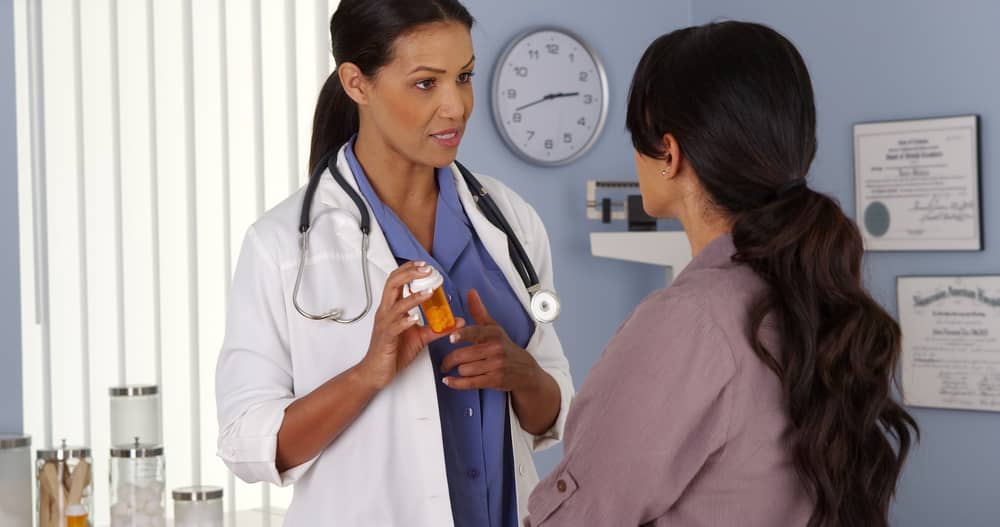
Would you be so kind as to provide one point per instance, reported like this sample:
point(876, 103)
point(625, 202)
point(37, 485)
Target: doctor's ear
point(354, 82)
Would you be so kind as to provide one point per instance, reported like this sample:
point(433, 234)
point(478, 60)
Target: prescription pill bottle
point(437, 312)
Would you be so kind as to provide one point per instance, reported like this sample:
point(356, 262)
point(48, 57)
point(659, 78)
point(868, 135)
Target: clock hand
point(548, 97)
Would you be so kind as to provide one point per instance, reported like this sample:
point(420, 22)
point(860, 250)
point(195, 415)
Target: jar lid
point(137, 450)
point(14, 441)
point(132, 390)
point(427, 283)
point(198, 493)
point(63, 452)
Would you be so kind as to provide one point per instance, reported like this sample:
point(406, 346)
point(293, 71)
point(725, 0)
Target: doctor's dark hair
point(364, 33)
point(738, 99)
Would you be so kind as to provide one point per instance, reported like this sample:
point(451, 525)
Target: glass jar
point(198, 507)
point(135, 412)
point(15, 480)
point(437, 312)
point(138, 480)
point(65, 484)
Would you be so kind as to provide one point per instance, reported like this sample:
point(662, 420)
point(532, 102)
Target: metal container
point(65, 485)
point(15, 481)
point(135, 412)
point(138, 480)
point(198, 507)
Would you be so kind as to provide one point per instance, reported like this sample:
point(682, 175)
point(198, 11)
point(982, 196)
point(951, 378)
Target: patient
point(755, 390)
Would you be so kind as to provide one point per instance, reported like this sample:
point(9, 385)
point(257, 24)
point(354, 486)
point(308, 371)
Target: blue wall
point(10, 280)
point(901, 59)
point(597, 294)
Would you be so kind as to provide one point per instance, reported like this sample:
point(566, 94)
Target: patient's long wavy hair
point(738, 98)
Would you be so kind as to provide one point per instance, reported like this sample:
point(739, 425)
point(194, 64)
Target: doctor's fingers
point(479, 334)
point(472, 354)
point(404, 306)
point(405, 274)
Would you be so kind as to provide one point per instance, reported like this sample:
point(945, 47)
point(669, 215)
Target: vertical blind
point(151, 134)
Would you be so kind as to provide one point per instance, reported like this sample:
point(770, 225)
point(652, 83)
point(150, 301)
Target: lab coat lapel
point(493, 238)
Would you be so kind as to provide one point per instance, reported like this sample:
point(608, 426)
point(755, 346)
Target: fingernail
point(426, 292)
point(425, 269)
point(446, 381)
point(420, 263)
point(453, 338)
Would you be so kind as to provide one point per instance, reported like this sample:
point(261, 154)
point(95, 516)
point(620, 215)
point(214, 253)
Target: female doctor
point(380, 421)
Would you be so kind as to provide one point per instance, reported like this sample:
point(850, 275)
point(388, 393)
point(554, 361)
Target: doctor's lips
point(448, 138)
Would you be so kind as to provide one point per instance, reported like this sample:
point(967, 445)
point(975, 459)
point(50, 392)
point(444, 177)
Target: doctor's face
point(421, 101)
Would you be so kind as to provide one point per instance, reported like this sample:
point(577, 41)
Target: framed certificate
point(951, 341)
point(917, 184)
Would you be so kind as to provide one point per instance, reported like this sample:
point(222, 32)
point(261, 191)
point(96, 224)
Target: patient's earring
point(665, 172)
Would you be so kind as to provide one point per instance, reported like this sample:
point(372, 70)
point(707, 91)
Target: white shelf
point(252, 518)
point(669, 249)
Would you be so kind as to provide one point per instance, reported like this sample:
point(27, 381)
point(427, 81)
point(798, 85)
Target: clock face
point(550, 96)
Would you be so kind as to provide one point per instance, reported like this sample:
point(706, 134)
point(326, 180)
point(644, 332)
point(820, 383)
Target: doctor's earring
point(665, 172)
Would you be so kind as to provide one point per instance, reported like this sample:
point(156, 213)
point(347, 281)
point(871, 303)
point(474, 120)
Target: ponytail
point(334, 122)
point(838, 359)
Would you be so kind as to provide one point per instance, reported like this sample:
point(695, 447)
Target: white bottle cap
point(427, 283)
point(75, 511)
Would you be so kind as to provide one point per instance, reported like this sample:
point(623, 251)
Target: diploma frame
point(879, 217)
point(908, 379)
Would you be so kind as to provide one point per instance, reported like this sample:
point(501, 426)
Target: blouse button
point(561, 486)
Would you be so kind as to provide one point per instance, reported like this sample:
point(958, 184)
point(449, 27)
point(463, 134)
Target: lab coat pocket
point(545, 501)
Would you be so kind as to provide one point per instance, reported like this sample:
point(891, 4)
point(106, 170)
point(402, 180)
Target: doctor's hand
point(396, 337)
point(493, 360)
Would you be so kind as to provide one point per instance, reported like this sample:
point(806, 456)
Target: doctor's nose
point(452, 104)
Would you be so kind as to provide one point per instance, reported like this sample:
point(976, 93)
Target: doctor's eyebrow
point(440, 71)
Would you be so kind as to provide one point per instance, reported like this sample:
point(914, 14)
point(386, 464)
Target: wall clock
point(550, 96)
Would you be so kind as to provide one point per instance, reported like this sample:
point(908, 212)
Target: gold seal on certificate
point(951, 341)
point(917, 184)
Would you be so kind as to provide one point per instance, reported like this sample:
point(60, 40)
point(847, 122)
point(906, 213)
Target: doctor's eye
point(466, 77)
point(425, 84)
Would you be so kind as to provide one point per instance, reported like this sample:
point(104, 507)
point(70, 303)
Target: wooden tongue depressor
point(80, 479)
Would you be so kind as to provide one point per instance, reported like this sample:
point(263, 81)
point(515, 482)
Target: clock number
point(533, 54)
point(588, 99)
point(549, 144)
point(512, 94)
point(531, 134)
point(584, 76)
point(553, 48)
point(521, 71)
point(517, 117)
point(567, 138)
point(582, 121)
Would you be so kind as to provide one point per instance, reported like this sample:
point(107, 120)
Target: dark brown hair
point(738, 99)
point(364, 32)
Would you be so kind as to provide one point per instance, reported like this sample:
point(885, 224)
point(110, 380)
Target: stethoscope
point(545, 305)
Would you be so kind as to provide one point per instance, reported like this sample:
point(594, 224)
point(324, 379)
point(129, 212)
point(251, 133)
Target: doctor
point(381, 422)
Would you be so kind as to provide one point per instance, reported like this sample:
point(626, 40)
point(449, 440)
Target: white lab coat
point(387, 468)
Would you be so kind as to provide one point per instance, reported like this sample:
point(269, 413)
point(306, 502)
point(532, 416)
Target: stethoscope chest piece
point(545, 306)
